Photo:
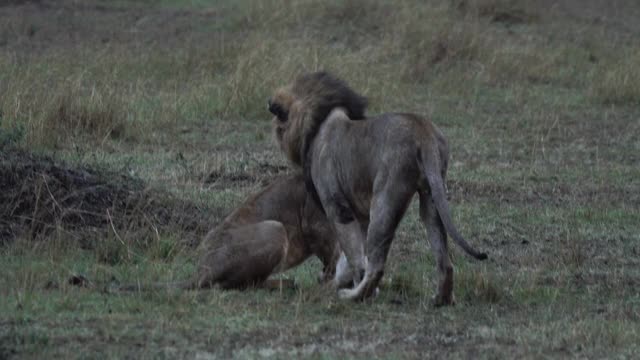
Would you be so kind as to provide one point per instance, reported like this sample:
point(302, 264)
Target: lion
point(272, 231)
point(365, 173)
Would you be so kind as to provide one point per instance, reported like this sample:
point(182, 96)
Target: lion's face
point(279, 106)
point(285, 118)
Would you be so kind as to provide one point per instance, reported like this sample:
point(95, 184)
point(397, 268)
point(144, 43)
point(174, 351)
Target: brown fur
point(365, 174)
point(272, 231)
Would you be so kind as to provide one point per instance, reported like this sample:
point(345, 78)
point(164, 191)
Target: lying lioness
point(272, 231)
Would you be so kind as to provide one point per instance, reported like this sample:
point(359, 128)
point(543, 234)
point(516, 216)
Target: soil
point(41, 195)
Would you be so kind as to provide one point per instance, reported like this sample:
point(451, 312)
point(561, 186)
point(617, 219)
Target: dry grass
point(97, 112)
point(130, 94)
point(617, 82)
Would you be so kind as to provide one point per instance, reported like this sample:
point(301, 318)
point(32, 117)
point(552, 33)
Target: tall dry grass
point(618, 81)
point(400, 54)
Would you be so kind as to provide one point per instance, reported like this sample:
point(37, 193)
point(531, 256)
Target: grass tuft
point(99, 113)
point(479, 287)
point(618, 82)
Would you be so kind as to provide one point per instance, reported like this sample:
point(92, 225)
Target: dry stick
point(35, 210)
point(55, 202)
point(118, 236)
point(63, 211)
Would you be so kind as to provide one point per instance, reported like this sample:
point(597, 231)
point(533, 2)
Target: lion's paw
point(348, 294)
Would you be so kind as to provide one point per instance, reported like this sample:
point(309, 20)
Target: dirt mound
point(40, 195)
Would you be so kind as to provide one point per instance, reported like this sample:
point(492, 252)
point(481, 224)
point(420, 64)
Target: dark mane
point(322, 92)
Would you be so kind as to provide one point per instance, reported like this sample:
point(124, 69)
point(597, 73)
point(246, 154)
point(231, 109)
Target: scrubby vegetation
point(128, 128)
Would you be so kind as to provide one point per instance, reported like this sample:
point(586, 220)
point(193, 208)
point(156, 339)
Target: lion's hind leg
point(438, 239)
point(244, 256)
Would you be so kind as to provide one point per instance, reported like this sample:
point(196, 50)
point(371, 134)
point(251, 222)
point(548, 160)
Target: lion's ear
point(277, 110)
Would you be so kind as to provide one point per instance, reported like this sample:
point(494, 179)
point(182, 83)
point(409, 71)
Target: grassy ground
point(541, 104)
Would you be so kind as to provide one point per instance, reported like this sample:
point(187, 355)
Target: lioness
point(365, 173)
point(272, 231)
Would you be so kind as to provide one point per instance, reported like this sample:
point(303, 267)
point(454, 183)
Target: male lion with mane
point(365, 173)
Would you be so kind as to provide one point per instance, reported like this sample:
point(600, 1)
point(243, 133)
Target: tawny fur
point(365, 174)
point(272, 231)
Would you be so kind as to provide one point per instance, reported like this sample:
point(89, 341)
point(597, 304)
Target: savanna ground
point(128, 128)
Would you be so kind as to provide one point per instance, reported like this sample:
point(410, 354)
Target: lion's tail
point(429, 162)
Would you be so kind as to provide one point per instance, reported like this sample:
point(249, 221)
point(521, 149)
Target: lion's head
point(300, 108)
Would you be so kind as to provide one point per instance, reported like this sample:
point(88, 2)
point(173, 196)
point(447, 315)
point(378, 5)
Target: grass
point(540, 105)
